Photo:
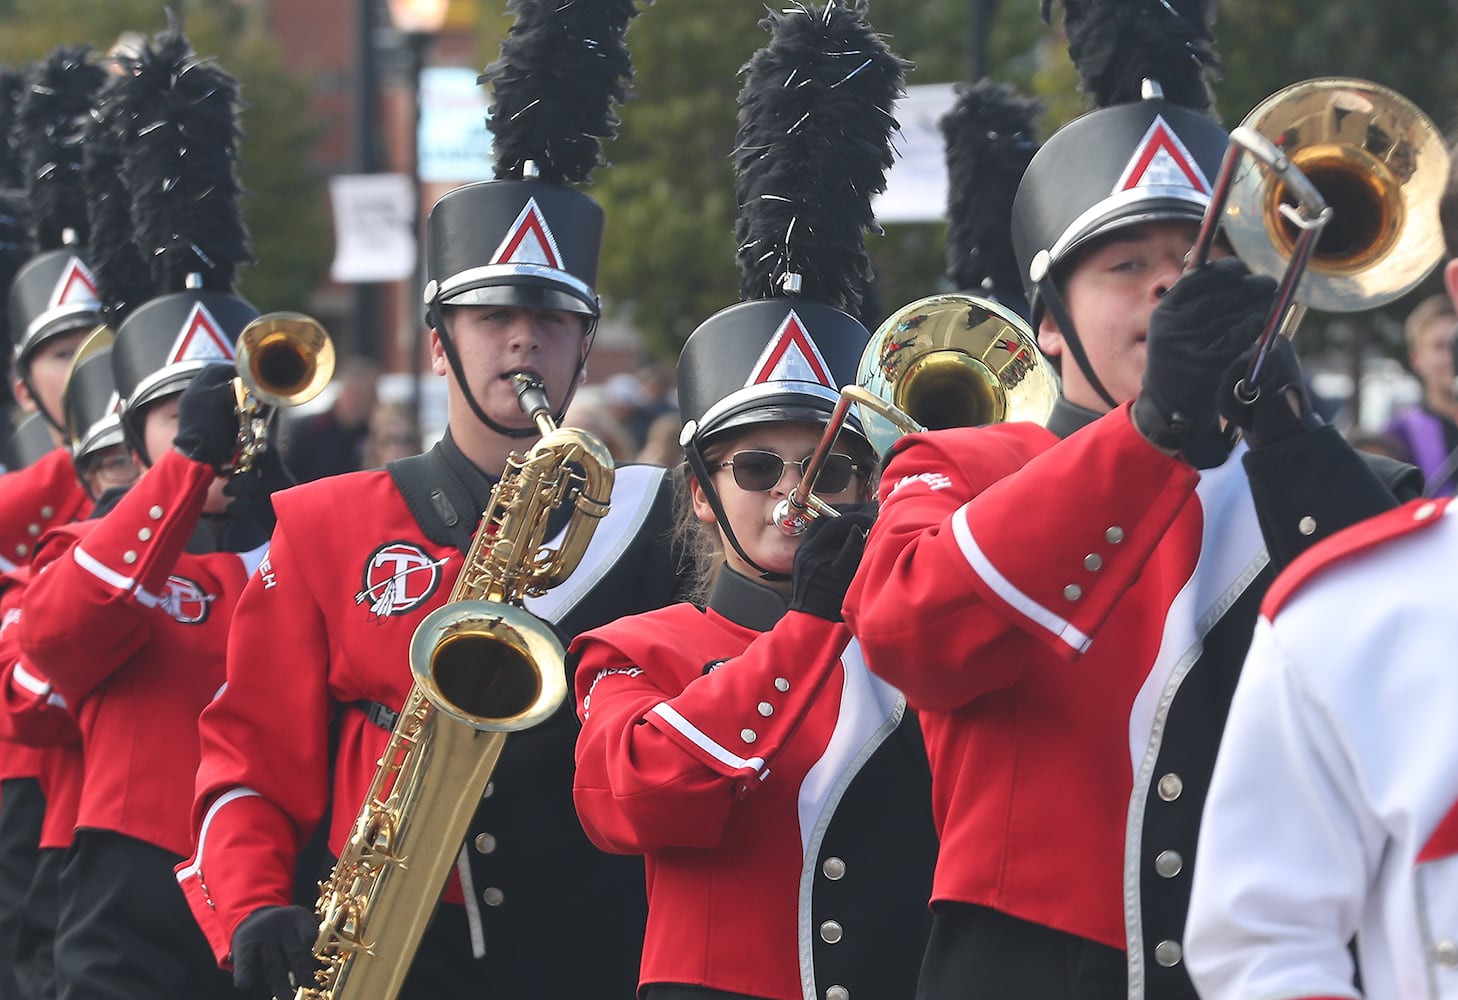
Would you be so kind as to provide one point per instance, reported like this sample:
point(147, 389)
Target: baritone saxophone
point(482, 667)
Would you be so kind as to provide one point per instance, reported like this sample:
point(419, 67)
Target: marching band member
point(1069, 606)
point(318, 664)
point(778, 791)
point(1333, 808)
point(127, 615)
point(51, 307)
point(31, 713)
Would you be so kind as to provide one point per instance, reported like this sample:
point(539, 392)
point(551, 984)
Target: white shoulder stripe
point(231, 795)
point(1004, 588)
point(30, 682)
point(701, 740)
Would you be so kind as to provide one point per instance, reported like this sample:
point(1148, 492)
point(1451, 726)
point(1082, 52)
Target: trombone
point(283, 359)
point(1355, 174)
point(950, 360)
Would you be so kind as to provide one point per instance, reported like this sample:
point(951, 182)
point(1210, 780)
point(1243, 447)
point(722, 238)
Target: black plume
point(179, 151)
point(122, 278)
point(563, 66)
point(49, 119)
point(813, 146)
point(990, 138)
point(12, 86)
point(1117, 44)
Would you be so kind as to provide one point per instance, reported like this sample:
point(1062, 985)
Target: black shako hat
point(522, 243)
point(90, 404)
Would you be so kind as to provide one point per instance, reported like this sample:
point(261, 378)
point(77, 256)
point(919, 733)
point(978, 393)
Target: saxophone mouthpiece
point(531, 393)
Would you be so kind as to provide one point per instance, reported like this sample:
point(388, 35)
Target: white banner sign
point(373, 220)
point(454, 144)
point(916, 184)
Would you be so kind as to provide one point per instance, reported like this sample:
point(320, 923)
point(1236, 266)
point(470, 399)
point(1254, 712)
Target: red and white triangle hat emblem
point(791, 356)
point(529, 240)
point(76, 286)
point(1161, 160)
point(200, 339)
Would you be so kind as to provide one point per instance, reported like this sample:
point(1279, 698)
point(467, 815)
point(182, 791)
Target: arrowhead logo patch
point(200, 339)
point(791, 355)
point(529, 241)
point(1161, 160)
point(75, 287)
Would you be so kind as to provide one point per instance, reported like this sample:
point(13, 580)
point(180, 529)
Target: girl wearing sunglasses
point(777, 789)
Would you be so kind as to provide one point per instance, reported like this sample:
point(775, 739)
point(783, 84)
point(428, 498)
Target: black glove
point(271, 944)
point(827, 559)
point(1269, 418)
point(1198, 328)
point(207, 424)
point(250, 514)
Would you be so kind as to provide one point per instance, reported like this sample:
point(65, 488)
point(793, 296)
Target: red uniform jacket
point(323, 627)
point(130, 628)
point(32, 501)
point(1037, 621)
point(38, 721)
point(719, 752)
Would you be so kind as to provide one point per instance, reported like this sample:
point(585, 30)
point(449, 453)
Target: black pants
point(979, 954)
point(124, 930)
point(35, 964)
point(22, 809)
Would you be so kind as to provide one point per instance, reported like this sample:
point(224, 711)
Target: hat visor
point(524, 293)
point(755, 405)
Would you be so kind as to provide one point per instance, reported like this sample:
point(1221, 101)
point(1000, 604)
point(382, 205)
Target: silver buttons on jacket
point(748, 735)
point(1093, 562)
point(837, 993)
point(1170, 786)
point(129, 557)
point(485, 843)
point(831, 932)
point(155, 512)
point(782, 684)
point(1168, 863)
point(766, 709)
point(1072, 592)
point(1168, 954)
point(490, 790)
point(1445, 951)
point(834, 869)
point(492, 896)
point(1114, 535)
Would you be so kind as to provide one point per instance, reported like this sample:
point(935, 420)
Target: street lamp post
point(418, 22)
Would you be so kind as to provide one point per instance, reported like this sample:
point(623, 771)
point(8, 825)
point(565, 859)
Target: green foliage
point(285, 209)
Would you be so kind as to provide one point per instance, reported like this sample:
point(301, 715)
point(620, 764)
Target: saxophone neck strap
point(444, 493)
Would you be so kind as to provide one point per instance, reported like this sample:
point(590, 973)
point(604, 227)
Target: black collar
point(746, 602)
point(1069, 417)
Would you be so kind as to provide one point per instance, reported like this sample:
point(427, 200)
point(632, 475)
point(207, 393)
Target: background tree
point(284, 208)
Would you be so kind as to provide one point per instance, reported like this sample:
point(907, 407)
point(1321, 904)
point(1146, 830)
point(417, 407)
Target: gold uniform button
point(834, 869)
point(1170, 787)
point(1114, 535)
point(485, 843)
point(1168, 864)
point(145, 535)
point(1168, 953)
point(831, 932)
point(155, 513)
point(129, 557)
point(492, 896)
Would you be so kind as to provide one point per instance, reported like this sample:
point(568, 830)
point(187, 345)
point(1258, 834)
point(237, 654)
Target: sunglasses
point(756, 471)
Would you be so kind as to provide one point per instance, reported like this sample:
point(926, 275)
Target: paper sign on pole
point(916, 184)
point(373, 220)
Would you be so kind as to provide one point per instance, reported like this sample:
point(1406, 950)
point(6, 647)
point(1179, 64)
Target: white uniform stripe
point(231, 795)
point(701, 740)
point(29, 681)
point(102, 572)
point(1004, 588)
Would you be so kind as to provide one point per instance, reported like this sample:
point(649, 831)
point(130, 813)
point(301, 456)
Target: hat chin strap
point(701, 473)
point(1053, 302)
point(453, 358)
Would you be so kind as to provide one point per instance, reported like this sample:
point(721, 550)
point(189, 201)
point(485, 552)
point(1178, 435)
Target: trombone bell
point(1377, 161)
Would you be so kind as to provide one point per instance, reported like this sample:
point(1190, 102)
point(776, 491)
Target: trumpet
point(943, 361)
point(1345, 209)
point(283, 359)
